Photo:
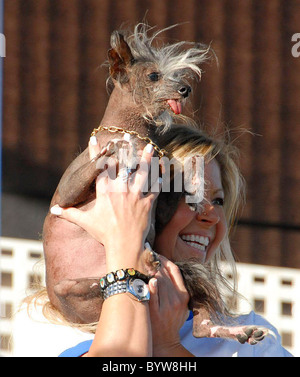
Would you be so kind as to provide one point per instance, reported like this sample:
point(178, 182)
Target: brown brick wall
point(55, 94)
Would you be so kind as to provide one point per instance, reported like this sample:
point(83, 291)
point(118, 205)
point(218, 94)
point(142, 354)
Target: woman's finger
point(173, 282)
point(140, 177)
point(73, 215)
point(154, 304)
point(165, 288)
point(175, 274)
point(105, 181)
point(94, 148)
point(155, 189)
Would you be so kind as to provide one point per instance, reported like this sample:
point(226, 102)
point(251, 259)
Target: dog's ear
point(120, 57)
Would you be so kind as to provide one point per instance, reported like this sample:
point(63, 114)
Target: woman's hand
point(119, 218)
point(168, 310)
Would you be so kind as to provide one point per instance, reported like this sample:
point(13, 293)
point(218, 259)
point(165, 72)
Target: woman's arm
point(120, 220)
point(124, 329)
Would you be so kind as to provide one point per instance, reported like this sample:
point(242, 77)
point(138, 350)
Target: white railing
point(273, 292)
point(17, 260)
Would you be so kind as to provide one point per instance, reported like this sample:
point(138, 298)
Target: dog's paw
point(151, 260)
point(252, 334)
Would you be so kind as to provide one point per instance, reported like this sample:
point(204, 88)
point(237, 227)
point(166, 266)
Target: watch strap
point(114, 289)
point(136, 287)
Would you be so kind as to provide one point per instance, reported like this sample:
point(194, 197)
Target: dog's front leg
point(204, 327)
point(76, 185)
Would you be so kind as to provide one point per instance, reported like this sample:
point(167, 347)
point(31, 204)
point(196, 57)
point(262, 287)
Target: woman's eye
point(219, 201)
point(154, 76)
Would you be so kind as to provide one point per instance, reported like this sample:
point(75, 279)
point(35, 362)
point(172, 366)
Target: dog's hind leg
point(207, 305)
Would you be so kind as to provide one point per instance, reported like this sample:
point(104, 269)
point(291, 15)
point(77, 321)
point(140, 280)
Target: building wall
point(17, 260)
point(273, 293)
point(54, 95)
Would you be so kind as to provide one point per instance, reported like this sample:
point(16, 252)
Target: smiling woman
point(197, 233)
point(201, 230)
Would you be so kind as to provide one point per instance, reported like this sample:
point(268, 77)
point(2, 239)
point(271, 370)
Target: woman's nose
point(208, 214)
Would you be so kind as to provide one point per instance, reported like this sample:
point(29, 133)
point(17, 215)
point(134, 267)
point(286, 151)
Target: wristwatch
point(139, 289)
point(135, 286)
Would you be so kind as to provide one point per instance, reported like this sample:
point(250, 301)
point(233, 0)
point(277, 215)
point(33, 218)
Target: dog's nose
point(185, 91)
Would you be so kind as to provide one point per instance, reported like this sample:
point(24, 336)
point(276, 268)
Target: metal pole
point(1, 93)
point(1, 98)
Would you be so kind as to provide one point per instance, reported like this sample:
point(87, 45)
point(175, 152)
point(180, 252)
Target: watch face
point(139, 289)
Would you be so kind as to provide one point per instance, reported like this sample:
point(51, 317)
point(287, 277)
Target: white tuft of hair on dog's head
point(171, 58)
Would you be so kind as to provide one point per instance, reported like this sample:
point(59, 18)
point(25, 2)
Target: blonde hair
point(184, 142)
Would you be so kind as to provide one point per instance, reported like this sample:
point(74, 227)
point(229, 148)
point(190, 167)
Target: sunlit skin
point(207, 222)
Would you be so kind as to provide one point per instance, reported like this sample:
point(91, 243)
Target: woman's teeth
point(198, 242)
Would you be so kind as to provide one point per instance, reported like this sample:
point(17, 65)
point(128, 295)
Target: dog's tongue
point(175, 106)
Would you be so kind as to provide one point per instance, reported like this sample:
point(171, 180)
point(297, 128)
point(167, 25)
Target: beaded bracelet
point(120, 275)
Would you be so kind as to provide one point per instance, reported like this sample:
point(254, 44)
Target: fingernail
point(148, 246)
point(93, 140)
point(154, 282)
point(149, 148)
point(56, 210)
point(104, 150)
point(127, 137)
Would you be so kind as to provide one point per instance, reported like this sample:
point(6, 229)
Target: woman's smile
point(195, 244)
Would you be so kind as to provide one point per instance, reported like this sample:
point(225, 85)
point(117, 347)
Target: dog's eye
point(154, 76)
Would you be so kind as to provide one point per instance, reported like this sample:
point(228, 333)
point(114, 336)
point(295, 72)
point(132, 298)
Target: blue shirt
point(216, 347)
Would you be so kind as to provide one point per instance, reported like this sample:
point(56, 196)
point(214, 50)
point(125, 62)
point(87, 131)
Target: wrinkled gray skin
point(74, 260)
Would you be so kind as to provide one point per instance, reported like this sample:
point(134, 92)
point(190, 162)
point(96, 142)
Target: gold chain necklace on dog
point(147, 140)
